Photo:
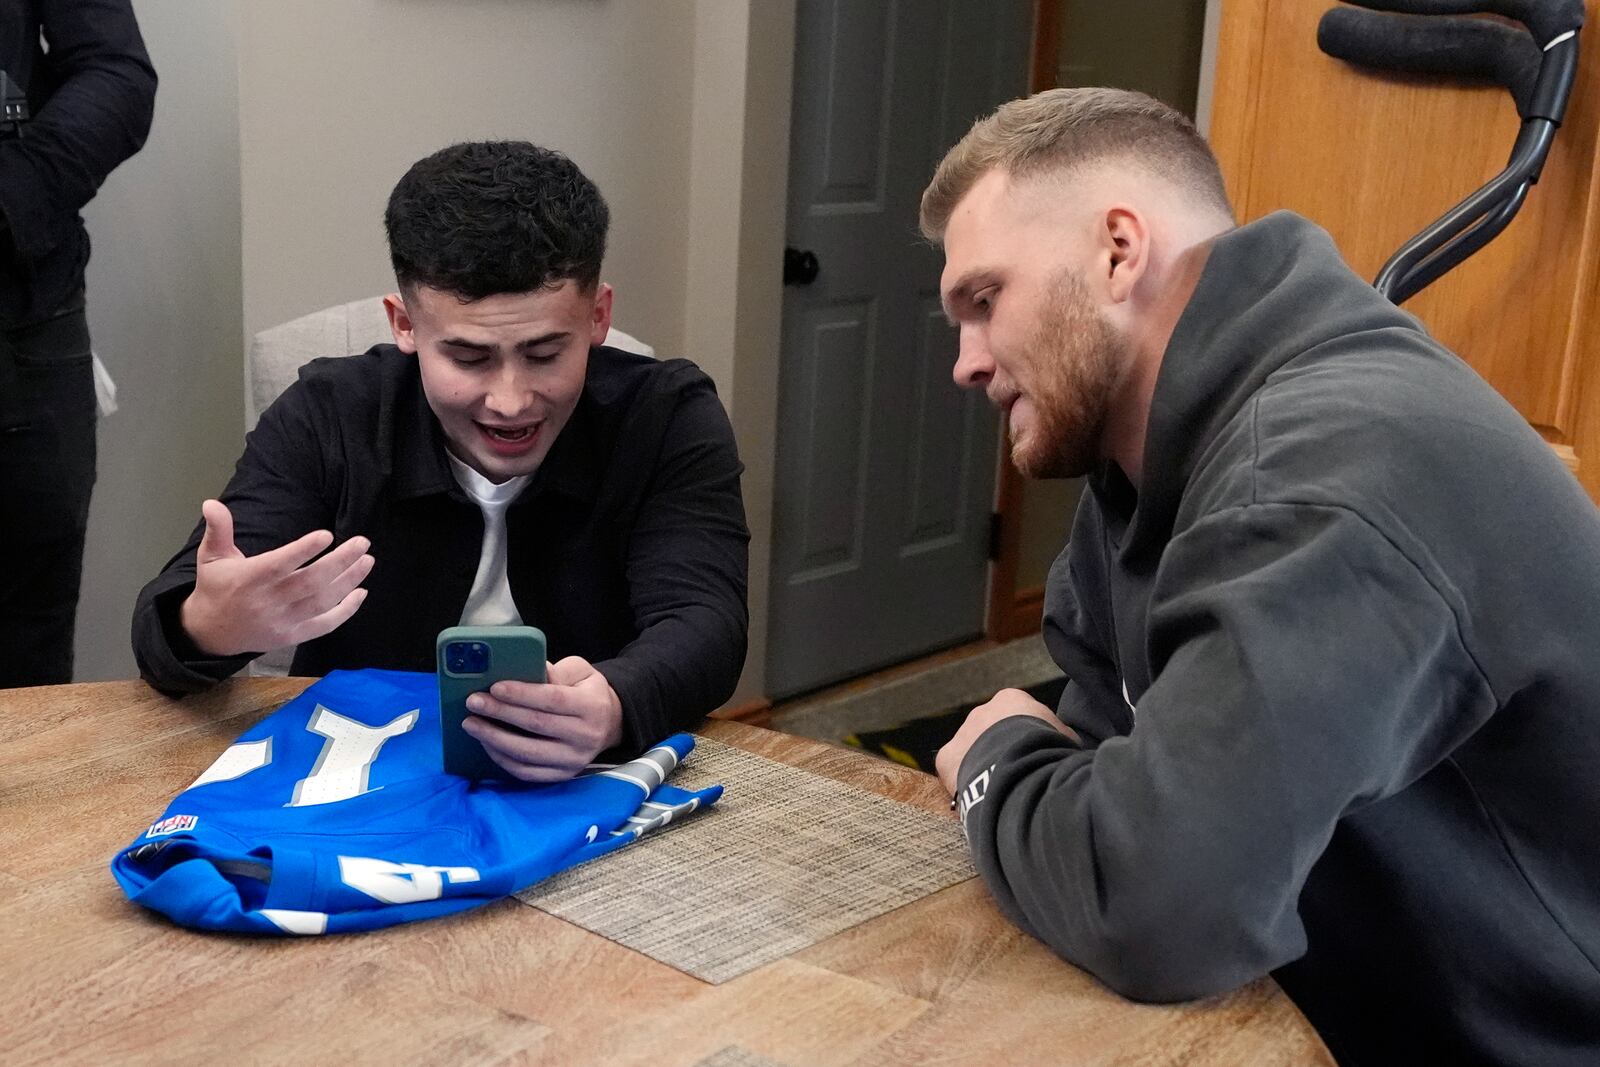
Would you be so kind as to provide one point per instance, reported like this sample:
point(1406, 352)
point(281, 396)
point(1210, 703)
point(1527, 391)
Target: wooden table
point(89, 977)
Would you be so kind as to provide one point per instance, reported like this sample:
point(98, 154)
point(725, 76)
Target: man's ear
point(400, 324)
point(1126, 251)
point(600, 324)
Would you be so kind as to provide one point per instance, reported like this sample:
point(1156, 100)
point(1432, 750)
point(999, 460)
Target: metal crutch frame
point(1537, 64)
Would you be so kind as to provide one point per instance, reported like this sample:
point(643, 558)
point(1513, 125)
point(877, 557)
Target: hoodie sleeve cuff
point(1006, 738)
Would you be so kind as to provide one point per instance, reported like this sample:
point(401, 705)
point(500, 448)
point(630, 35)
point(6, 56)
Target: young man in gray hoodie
point(1330, 612)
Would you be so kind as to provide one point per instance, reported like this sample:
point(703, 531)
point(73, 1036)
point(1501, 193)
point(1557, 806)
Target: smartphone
point(471, 659)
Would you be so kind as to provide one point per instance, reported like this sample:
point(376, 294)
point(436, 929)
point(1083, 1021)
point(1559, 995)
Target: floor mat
point(943, 687)
point(917, 742)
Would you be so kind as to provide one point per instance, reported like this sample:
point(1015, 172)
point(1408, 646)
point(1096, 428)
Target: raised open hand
point(254, 603)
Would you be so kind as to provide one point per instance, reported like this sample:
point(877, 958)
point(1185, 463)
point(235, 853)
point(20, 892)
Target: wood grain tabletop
point(90, 978)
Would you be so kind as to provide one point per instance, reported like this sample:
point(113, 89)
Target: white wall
point(164, 312)
point(339, 97)
point(738, 186)
point(1208, 66)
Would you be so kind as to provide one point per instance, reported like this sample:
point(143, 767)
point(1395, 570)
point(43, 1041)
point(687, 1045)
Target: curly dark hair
point(487, 217)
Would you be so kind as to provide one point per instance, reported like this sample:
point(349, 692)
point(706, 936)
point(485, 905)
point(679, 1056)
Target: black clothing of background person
point(91, 92)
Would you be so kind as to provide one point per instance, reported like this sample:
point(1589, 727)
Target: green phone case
point(514, 652)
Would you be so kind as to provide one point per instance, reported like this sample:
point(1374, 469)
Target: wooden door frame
point(1015, 612)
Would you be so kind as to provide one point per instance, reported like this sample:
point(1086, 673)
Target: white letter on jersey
point(347, 754)
point(297, 922)
point(239, 759)
point(400, 883)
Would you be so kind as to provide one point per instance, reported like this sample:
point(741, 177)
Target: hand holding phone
point(531, 728)
point(471, 660)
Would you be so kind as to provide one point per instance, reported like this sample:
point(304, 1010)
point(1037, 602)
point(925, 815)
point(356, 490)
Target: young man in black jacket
point(1328, 614)
point(497, 464)
point(88, 101)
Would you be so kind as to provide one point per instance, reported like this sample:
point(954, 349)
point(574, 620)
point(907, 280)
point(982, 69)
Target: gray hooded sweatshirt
point(1336, 666)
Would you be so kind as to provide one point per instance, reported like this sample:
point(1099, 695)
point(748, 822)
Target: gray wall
point(1153, 46)
point(339, 97)
point(1047, 511)
point(1208, 66)
point(738, 189)
point(164, 311)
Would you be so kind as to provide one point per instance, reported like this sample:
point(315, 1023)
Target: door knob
point(800, 267)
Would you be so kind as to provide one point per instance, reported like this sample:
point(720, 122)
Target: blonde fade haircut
point(1068, 130)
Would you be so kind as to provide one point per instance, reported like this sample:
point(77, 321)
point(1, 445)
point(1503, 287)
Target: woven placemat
point(785, 859)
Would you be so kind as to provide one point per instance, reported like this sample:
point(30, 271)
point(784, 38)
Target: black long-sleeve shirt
point(628, 547)
point(1336, 665)
point(91, 96)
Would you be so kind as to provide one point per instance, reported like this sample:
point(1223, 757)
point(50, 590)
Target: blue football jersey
point(333, 814)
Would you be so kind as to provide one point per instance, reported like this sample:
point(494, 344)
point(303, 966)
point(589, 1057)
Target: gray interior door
point(885, 470)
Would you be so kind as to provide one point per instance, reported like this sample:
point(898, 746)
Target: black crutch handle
point(1545, 19)
point(1455, 47)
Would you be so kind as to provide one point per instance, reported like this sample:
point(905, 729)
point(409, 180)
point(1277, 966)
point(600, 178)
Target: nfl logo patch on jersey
point(172, 824)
